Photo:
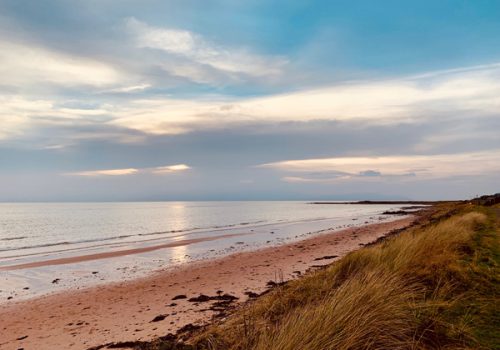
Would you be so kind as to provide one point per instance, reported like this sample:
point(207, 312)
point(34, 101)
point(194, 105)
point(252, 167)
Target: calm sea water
point(179, 232)
point(53, 226)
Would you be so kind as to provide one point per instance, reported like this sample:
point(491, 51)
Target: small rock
point(251, 294)
point(326, 257)
point(199, 299)
point(188, 328)
point(159, 318)
point(226, 297)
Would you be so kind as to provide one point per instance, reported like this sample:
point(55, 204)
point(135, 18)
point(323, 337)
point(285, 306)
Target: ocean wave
point(104, 239)
point(192, 230)
point(54, 244)
point(13, 238)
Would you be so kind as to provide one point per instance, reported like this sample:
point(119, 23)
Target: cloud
point(422, 166)
point(131, 171)
point(25, 118)
point(109, 172)
point(301, 179)
point(199, 51)
point(447, 94)
point(335, 176)
point(170, 169)
point(129, 89)
point(24, 65)
point(369, 173)
point(467, 93)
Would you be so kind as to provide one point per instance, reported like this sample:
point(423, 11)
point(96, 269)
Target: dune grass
point(433, 286)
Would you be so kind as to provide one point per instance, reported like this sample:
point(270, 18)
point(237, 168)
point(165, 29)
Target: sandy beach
point(249, 175)
point(126, 310)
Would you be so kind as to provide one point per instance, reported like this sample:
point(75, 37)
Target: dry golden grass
point(349, 318)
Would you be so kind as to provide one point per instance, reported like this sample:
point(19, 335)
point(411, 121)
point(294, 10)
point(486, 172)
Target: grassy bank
point(433, 286)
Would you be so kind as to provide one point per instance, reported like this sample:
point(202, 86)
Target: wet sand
point(79, 319)
point(112, 254)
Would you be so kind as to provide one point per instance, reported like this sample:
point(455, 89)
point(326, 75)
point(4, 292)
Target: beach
point(146, 307)
point(249, 175)
point(50, 248)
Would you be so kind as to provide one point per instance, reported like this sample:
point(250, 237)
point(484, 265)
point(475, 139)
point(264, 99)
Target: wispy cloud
point(444, 94)
point(24, 65)
point(22, 116)
point(170, 169)
point(129, 89)
point(421, 166)
point(108, 172)
point(464, 94)
point(200, 51)
point(167, 169)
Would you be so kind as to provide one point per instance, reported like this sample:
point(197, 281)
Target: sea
point(173, 233)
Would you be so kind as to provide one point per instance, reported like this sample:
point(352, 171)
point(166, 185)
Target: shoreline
point(403, 202)
point(114, 254)
point(117, 311)
point(29, 277)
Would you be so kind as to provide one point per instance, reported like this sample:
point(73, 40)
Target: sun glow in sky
point(176, 100)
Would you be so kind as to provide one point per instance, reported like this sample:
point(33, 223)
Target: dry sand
point(124, 311)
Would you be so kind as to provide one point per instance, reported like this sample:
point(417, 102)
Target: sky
point(117, 100)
